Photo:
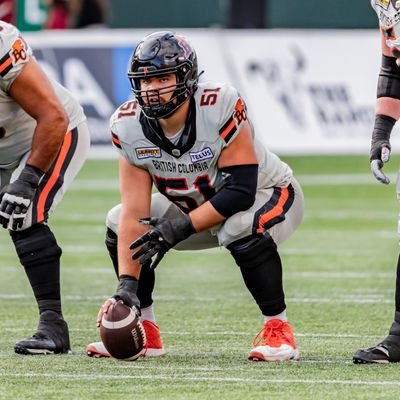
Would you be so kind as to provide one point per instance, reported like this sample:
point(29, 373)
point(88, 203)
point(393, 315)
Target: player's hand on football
point(166, 233)
point(16, 197)
point(103, 309)
point(126, 291)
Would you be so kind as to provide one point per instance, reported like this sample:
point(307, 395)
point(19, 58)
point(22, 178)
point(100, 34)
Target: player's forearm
point(127, 233)
point(388, 106)
point(205, 217)
point(47, 140)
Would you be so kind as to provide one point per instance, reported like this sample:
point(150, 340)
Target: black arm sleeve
point(239, 191)
point(389, 78)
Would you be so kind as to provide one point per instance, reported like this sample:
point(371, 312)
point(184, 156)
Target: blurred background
point(242, 14)
point(307, 71)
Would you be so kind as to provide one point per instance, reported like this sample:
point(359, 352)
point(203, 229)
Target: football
point(122, 332)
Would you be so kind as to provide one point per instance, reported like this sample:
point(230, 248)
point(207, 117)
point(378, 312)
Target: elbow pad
point(389, 78)
point(239, 190)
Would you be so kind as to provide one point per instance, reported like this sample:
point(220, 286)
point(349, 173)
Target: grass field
point(339, 272)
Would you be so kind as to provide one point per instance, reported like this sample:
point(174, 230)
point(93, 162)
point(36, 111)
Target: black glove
point(165, 235)
point(380, 146)
point(16, 197)
point(126, 291)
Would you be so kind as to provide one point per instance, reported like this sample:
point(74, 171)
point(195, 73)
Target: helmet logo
point(184, 45)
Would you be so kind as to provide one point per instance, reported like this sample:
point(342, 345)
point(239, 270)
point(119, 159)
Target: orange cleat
point(154, 346)
point(274, 342)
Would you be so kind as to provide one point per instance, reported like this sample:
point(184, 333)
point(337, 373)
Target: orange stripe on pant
point(54, 176)
point(274, 212)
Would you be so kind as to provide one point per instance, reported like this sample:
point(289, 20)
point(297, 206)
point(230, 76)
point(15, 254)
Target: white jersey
point(16, 126)
point(387, 11)
point(188, 173)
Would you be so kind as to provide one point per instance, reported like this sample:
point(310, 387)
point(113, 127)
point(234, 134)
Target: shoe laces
point(275, 333)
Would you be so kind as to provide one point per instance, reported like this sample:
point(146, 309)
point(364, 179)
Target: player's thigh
point(280, 209)
point(161, 207)
point(59, 177)
point(5, 177)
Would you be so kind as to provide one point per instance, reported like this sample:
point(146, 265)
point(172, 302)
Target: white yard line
point(339, 179)
point(375, 298)
point(153, 377)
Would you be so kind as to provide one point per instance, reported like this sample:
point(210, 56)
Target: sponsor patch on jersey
point(148, 152)
point(383, 3)
point(201, 155)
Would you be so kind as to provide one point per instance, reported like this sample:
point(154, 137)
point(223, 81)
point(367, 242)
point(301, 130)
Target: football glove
point(126, 291)
point(165, 235)
point(380, 146)
point(16, 197)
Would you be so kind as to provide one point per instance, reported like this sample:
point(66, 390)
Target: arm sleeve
point(239, 190)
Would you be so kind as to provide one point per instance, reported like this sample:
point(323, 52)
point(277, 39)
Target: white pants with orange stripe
point(58, 178)
point(277, 210)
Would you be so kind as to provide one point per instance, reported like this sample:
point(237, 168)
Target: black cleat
point(52, 337)
point(388, 351)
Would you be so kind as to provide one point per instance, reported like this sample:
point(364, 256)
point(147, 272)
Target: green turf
point(339, 272)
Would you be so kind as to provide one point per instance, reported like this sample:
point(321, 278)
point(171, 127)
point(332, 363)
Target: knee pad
point(252, 251)
point(35, 245)
point(112, 218)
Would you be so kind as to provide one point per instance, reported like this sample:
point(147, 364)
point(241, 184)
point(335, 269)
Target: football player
point(387, 113)
point(44, 140)
point(217, 186)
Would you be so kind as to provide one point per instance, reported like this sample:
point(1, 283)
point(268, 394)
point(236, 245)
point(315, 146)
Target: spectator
point(7, 11)
point(58, 15)
point(89, 13)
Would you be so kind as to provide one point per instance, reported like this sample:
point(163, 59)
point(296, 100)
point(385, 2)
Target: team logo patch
point(201, 155)
point(148, 152)
point(383, 3)
point(18, 51)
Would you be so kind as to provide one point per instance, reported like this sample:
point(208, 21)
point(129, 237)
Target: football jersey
point(389, 17)
point(188, 174)
point(16, 126)
point(387, 11)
